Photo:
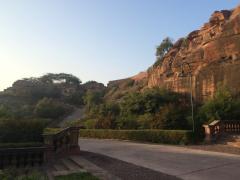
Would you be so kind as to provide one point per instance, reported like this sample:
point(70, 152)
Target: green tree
point(50, 108)
point(163, 49)
point(22, 130)
point(170, 117)
point(223, 106)
point(61, 78)
point(92, 99)
point(4, 111)
point(107, 115)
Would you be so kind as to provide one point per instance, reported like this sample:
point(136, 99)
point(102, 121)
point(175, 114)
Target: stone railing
point(62, 143)
point(215, 129)
point(232, 126)
point(21, 157)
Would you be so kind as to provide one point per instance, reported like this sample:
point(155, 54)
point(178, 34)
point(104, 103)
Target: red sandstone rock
point(213, 53)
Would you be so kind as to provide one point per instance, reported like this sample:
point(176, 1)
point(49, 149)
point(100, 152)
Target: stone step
point(59, 166)
point(93, 169)
point(66, 172)
point(70, 164)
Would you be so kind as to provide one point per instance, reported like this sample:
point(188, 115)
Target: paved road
point(178, 161)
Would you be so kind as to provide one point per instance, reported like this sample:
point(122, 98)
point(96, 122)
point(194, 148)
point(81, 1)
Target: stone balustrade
point(215, 129)
point(21, 157)
point(63, 143)
point(232, 126)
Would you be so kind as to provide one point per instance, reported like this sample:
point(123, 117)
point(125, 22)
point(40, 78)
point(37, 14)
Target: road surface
point(182, 162)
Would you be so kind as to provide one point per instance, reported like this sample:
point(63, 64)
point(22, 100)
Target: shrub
point(223, 106)
point(15, 130)
point(170, 117)
point(75, 98)
point(155, 136)
point(22, 174)
point(90, 123)
point(50, 108)
point(145, 121)
point(4, 111)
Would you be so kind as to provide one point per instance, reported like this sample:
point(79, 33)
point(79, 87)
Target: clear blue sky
point(93, 39)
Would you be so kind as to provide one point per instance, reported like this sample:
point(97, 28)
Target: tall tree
point(163, 49)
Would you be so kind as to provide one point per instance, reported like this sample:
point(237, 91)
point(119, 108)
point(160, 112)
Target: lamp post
point(184, 74)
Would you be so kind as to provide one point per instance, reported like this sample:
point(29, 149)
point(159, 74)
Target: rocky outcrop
point(210, 56)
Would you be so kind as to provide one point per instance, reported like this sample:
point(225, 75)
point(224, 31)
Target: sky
point(98, 40)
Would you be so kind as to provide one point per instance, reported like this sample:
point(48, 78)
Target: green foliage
point(22, 174)
point(170, 117)
point(75, 98)
point(139, 110)
point(4, 111)
point(155, 136)
point(35, 89)
point(127, 121)
point(145, 121)
point(77, 176)
point(61, 78)
point(163, 49)
point(90, 123)
point(93, 98)
point(51, 130)
point(106, 115)
point(50, 108)
point(223, 106)
point(26, 130)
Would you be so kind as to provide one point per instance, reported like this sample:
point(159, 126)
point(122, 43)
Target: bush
point(223, 106)
point(22, 174)
point(170, 117)
point(15, 130)
point(155, 136)
point(152, 108)
point(50, 108)
point(4, 111)
point(90, 123)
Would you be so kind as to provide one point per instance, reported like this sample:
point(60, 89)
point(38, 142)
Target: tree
point(61, 78)
point(93, 98)
point(4, 111)
point(50, 108)
point(223, 106)
point(22, 130)
point(163, 49)
point(34, 89)
point(170, 117)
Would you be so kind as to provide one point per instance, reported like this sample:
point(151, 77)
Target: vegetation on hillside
point(31, 104)
point(151, 109)
point(223, 106)
point(125, 104)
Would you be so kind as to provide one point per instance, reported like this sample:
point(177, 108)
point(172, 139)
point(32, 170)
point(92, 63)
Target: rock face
point(206, 57)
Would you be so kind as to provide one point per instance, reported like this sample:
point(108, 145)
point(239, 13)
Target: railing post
point(74, 134)
point(49, 145)
point(213, 130)
point(208, 134)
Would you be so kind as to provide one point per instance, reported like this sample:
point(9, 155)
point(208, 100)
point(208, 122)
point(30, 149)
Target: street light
point(184, 74)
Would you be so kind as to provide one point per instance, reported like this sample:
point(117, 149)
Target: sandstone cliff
point(211, 55)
